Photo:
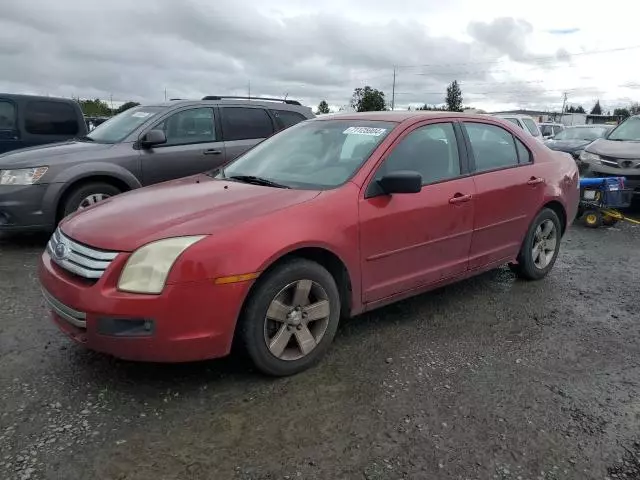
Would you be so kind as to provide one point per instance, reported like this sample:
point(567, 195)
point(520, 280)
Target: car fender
point(61, 183)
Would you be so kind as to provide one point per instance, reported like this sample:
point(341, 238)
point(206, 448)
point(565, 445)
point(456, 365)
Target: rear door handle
point(535, 181)
point(459, 198)
point(213, 151)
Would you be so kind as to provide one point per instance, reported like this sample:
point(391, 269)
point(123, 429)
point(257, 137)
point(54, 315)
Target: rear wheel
point(291, 317)
point(540, 247)
point(592, 219)
point(87, 195)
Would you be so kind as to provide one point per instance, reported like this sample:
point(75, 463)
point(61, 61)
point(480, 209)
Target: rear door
point(243, 127)
point(193, 146)
point(9, 131)
point(509, 190)
point(411, 240)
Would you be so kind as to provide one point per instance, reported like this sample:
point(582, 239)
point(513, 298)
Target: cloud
point(563, 31)
point(134, 50)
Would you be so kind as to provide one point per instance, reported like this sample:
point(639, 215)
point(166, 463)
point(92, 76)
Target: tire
point(609, 221)
point(536, 268)
point(276, 293)
point(592, 219)
point(74, 200)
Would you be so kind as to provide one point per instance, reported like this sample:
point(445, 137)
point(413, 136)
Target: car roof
point(512, 115)
point(226, 101)
point(20, 96)
point(401, 116)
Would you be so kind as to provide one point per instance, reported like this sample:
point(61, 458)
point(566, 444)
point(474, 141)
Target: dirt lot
point(490, 378)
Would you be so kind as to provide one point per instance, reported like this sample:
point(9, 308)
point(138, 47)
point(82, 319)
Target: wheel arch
point(325, 257)
point(560, 211)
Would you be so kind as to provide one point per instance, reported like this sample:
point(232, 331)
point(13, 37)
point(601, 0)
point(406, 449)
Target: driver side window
point(432, 151)
point(189, 126)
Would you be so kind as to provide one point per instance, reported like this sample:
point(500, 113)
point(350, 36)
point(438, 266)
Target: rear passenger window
point(493, 147)
point(7, 115)
point(431, 151)
point(245, 123)
point(50, 118)
point(288, 119)
point(531, 126)
point(524, 155)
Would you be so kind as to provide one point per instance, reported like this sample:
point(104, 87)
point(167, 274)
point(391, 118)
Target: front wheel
point(291, 317)
point(540, 247)
point(87, 195)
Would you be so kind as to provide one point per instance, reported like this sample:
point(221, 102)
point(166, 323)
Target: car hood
point(197, 205)
point(41, 154)
point(609, 148)
point(567, 144)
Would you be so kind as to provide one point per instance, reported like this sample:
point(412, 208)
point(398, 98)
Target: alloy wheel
point(545, 243)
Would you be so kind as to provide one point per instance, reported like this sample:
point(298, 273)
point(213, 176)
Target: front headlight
point(589, 157)
point(23, 176)
point(147, 268)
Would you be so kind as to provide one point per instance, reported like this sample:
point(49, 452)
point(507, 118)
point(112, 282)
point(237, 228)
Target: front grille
point(79, 259)
point(620, 162)
point(71, 315)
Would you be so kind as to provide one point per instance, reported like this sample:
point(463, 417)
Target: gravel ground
point(490, 378)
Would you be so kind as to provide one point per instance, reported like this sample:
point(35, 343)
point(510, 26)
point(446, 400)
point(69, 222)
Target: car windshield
point(314, 155)
point(629, 130)
point(546, 129)
point(582, 133)
point(119, 127)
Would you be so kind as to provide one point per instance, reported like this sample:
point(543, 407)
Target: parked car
point(141, 146)
point(616, 155)
point(28, 120)
point(550, 130)
point(327, 219)
point(525, 122)
point(573, 140)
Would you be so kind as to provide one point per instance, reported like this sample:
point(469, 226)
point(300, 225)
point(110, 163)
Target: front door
point(412, 240)
point(192, 147)
point(509, 192)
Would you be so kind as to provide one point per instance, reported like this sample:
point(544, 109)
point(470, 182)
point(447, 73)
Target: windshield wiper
point(256, 181)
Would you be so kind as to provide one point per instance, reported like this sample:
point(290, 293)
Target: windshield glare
point(584, 133)
point(314, 155)
point(628, 130)
point(119, 127)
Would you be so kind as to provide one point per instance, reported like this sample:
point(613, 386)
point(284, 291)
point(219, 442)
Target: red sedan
point(325, 220)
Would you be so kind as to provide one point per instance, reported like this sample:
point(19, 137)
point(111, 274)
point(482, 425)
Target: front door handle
point(213, 151)
point(535, 181)
point(459, 198)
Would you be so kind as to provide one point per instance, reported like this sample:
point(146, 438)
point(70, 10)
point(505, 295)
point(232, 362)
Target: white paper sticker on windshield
point(373, 132)
point(141, 114)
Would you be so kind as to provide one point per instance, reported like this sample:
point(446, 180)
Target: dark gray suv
point(141, 146)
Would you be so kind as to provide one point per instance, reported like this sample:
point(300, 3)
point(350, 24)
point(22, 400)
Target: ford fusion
point(328, 219)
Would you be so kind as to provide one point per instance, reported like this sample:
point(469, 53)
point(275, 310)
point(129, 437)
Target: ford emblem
point(60, 251)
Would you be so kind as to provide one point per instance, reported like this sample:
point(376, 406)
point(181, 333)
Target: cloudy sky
point(505, 54)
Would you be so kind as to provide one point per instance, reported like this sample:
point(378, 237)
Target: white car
point(525, 122)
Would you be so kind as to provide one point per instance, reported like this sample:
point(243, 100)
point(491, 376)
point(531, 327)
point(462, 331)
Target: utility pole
point(564, 103)
point(393, 90)
point(165, 94)
point(111, 100)
point(249, 89)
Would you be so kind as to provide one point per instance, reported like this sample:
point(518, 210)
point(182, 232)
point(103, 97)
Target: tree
point(597, 109)
point(454, 97)
point(126, 106)
point(570, 109)
point(621, 112)
point(432, 107)
point(635, 108)
point(368, 99)
point(579, 109)
point(94, 108)
point(323, 107)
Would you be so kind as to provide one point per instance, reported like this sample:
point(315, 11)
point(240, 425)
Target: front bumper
point(24, 207)
point(187, 322)
point(632, 181)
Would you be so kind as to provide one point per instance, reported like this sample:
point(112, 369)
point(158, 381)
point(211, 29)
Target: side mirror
point(401, 182)
point(152, 138)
